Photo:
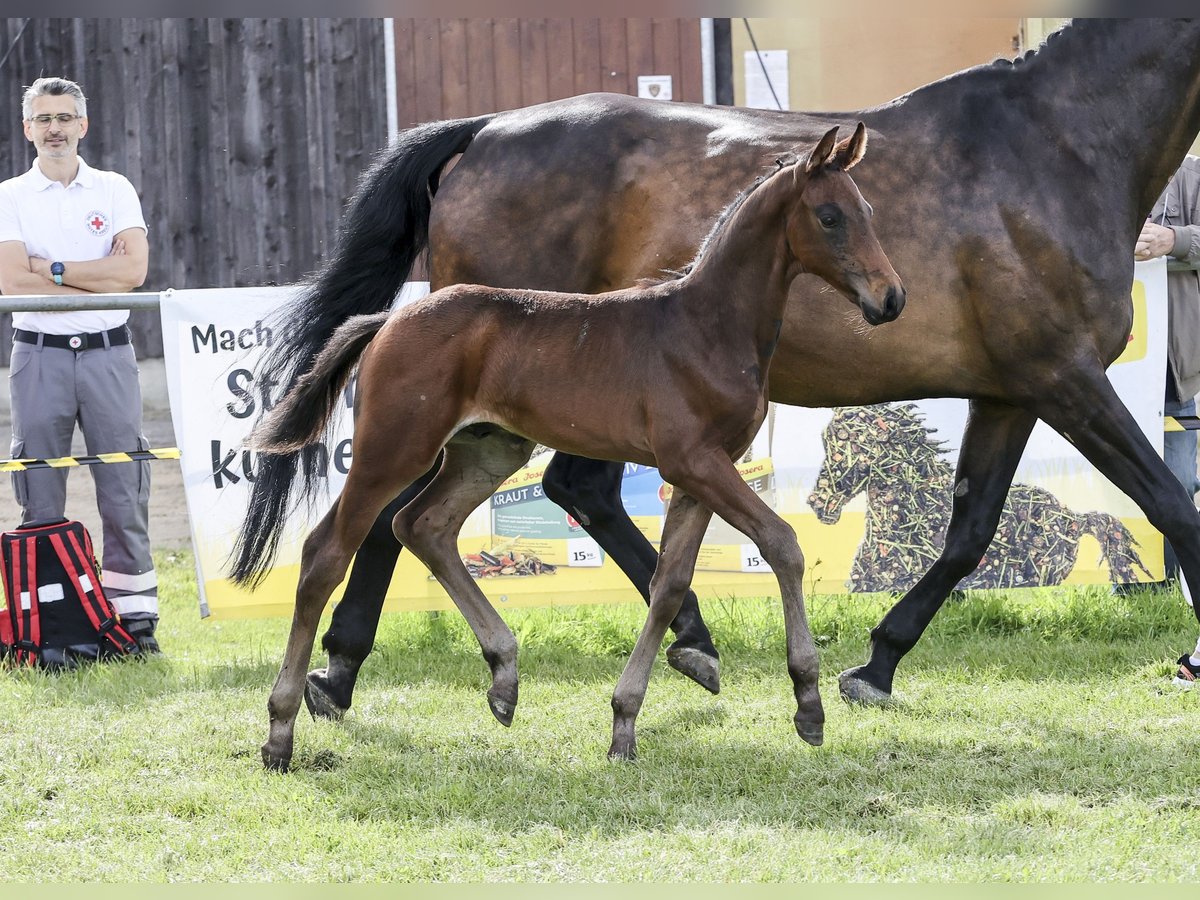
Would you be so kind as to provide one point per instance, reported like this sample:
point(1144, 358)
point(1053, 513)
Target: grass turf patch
point(1035, 737)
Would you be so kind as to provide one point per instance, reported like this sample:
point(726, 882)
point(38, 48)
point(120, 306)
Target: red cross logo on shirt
point(97, 223)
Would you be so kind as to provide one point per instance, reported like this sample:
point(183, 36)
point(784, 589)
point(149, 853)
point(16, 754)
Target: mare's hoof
point(622, 753)
point(502, 709)
point(857, 690)
point(317, 698)
point(811, 733)
point(273, 762)
point(703, 669)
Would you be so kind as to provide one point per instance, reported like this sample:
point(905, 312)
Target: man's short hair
point(55, 87)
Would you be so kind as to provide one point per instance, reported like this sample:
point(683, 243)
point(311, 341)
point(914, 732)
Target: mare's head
point(829, 228)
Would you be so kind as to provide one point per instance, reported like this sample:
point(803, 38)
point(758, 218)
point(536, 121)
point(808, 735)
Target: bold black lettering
point(220, 466)
point(342, 456)
point(202, 338)
point(262, 334)
point(238, 381)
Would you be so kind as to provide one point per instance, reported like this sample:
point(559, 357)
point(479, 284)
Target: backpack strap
point(27, 637)
point(91, 596)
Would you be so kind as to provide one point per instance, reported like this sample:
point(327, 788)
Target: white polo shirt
point(76, 222)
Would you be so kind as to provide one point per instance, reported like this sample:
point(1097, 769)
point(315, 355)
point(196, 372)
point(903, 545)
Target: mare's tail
point(1118, 546)
point(385, 228)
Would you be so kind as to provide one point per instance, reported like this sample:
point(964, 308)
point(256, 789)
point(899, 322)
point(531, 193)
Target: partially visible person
point(1173, 229)
point(66, 228)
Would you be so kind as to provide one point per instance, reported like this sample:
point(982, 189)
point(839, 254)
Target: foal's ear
point(851, 150)
point(822, 152)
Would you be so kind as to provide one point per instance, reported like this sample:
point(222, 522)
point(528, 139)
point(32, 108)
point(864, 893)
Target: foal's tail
point(282, 438)
point(1118, 546)
point(385, 228)
point(302, 416)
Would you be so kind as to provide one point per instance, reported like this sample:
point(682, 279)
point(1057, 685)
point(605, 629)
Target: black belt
point(116, 336)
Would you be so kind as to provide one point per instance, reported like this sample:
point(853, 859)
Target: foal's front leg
point(683, 531)
point(715, 482)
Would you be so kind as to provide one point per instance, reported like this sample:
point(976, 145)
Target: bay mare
point(484, 373)
point(1009, 195)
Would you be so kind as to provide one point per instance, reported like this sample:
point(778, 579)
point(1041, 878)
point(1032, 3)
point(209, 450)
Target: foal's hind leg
point(326, 554)
point(715, 482)
point(683, 532)
point(477, 461)
point(590, 489)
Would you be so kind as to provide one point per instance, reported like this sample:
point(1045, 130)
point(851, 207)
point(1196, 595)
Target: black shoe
point(147, 644)
point(142, 631)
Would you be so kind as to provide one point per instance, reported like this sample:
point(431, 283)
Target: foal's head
point(829, 228)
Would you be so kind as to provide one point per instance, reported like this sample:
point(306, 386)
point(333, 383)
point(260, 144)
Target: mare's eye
point(828, 221)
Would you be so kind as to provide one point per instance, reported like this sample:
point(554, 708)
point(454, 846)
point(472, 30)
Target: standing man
point(66, 228)
point(1173, 230)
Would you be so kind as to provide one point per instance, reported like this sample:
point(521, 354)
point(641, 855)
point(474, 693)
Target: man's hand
point(1154, 241)
point(39, 266)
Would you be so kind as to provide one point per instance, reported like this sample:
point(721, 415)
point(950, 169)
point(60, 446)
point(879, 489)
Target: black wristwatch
point(57, 269)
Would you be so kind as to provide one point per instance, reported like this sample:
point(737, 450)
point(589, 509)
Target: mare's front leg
point(329, 691)
point(992, 445)
point(590, 490)
point(477, 461)
point(683, 532)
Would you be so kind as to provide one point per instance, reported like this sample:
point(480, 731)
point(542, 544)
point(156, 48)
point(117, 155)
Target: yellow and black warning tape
point(1181, 423)
point(67, 462)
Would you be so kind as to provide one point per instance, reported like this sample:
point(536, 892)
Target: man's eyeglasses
point(43, 121)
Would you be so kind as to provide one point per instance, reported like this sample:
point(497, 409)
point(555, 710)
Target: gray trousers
point(53, 389)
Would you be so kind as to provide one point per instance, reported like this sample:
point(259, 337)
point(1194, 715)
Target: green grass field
point(1036, 737)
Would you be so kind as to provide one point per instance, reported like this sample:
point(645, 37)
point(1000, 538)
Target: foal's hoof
point(703, 669)
point(502, 709)
point(317, 698)
point(811, 733)
point(858, 690)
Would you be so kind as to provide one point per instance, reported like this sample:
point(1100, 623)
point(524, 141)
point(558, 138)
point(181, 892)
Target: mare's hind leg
point(590, 490)
point(992, 445)
point(683, 532)
point(329, 691)
point(477, 460)
point(715, 482)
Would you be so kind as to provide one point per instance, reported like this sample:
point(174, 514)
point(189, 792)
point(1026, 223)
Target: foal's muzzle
point(889, 309)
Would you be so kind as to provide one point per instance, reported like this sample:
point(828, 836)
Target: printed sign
point(867, 489)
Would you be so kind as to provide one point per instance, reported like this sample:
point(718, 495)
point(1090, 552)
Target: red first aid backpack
point(56, 610)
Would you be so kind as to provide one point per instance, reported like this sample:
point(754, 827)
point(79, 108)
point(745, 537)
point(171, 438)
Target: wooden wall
point(448, 68)
point(243, 137)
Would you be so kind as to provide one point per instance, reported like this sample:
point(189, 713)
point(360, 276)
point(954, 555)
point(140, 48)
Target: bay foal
point(673, 375)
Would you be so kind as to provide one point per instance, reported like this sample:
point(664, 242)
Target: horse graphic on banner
point(887, 452)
